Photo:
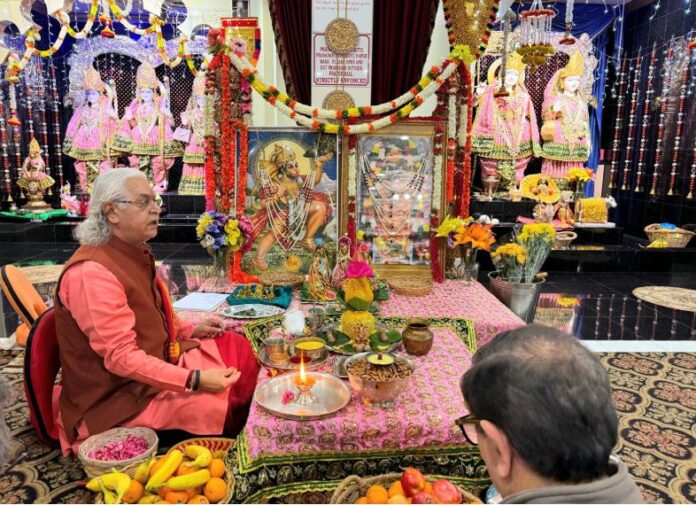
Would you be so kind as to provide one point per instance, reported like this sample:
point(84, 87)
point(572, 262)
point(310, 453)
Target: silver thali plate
point(330, 395)
point(251, 311)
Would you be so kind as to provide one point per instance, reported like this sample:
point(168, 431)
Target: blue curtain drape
point(594, 20)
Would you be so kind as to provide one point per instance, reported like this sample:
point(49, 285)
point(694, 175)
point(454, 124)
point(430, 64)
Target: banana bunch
point(658, 243)
point(166, 469)
point(200, 455)
point(113, 485)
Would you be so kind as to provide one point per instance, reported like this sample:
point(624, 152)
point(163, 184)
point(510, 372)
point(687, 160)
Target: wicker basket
point(564, 239)
point(411, 286)
point(95, 467)
point(677, 238)
point(281, 279)
point(216, 445)
point(353, 487)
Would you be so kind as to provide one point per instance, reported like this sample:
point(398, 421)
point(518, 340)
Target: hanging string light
point(535, 34)
point(678, 131)
point(635, 92)
point(646, 121)
point(661, 122)
point(568, 39)
point(622, 80)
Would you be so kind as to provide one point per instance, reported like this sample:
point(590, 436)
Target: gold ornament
point(341, 35)
point(146, 77)
point(338, 99)
point(93, 80)
point(574, 68)
point(469, 19)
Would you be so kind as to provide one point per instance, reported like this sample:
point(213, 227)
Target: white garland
point(451, 116)
point(437, 183)
point(352, 173)
point(463, 121)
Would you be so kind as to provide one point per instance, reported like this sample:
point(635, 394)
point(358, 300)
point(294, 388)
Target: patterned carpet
point(655, 395)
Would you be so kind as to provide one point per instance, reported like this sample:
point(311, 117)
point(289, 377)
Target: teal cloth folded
point(283, 297)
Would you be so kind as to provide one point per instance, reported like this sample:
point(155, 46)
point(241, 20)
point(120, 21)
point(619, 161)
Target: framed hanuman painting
point(395, 182)
point(291, 198)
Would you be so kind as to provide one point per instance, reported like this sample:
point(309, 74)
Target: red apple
point(422, 497)
point(412, 481)
point(446, 492)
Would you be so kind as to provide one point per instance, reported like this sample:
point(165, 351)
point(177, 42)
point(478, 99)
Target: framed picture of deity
point(291, 198)
point(394, 180)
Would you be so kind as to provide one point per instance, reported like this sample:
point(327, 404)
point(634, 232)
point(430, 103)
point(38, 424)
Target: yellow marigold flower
point(513, 250)
point(450, 225)
point(462, 52)
point(543, 230)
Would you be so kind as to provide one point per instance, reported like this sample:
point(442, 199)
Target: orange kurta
point(97, 302)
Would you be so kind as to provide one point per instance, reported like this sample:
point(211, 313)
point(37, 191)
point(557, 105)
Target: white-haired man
point(126, 359)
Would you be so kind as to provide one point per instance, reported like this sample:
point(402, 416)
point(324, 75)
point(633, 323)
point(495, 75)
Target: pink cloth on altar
point(97, 302)
point(489, 166)
point(557, 169)
point(453, 299)
point(149, 136)
point(90, 128)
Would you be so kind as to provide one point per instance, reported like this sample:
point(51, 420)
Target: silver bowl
point(380, 394)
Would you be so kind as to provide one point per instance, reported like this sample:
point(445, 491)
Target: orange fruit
point(398, 498)
point(396, 489)
point(162, 491)
point(216, 468)
point(193, 491)
point(361, 501)
point(184, 469)
point(215, 489)
point(155, 466)
point(199, 498)
point(177, 496)
point(134, 493)
point(428, 488)
point(377, 495)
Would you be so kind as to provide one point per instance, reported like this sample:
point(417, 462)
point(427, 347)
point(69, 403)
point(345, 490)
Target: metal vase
point(520, 297)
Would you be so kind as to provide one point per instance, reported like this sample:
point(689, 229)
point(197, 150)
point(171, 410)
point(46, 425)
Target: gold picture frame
point(396, 183)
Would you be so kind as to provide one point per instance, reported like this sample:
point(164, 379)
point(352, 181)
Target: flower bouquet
point(577, 178)
point(221, 234)
point(467, 236)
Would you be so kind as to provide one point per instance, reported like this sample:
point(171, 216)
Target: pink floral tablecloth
point(422, 419)
point(453, 299)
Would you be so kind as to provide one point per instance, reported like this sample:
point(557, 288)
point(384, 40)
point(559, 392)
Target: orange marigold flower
point(478, 235)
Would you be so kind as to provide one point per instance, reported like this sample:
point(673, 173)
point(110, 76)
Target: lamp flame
point(303, 377)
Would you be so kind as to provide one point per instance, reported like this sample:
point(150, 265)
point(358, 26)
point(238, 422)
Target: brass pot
point(417, 337)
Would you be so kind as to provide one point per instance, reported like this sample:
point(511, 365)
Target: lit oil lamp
point(304, 386)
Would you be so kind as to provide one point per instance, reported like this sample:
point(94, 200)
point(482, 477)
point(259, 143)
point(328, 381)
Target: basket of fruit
point(411, 486)
point(116, 448)
point(193, 471)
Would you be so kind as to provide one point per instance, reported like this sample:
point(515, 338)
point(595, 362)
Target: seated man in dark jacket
point(542, 414)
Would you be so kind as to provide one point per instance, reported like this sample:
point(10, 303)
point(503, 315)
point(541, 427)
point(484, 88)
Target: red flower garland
point(210, 141)
point(228, 134)
point(465, 194)
point(434, 250)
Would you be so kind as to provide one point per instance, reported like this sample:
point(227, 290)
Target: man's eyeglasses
point(469, 426)
point(143, 203)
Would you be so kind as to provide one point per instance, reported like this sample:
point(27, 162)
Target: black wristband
point(196, 380)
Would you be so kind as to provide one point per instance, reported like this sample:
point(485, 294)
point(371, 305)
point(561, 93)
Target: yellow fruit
point(200, 455)
point(396, 489)
point(215, 490)
point(149, 499)
point(155, 465)
point(217, 468)
point(199, 498)
point(134, 493)
point(143, 470)
point(220, 454)
point(195, 479)
point(376, 495)
point(166, 470)
point(361, 501)
point(177, 497)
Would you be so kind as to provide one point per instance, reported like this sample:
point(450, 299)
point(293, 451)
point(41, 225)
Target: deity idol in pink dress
point(505, 132)
point(193, 118)
point(566, 128)
point(145, 132)
point(89, 132)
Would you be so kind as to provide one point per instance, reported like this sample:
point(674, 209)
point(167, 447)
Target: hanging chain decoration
point(638, 188)
point(635, 92)
point(42, 123)
point(507, 26)
point(622, 78)
point(678, 131)
point(659, 148)
point(692, 175)
point(58, 157)
point(535, 34)
point(5, 151)
point(29, 107)
point(568, 39)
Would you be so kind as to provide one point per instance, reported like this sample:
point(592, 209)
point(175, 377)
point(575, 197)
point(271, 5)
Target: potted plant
point(466, 236)
point(516, 281)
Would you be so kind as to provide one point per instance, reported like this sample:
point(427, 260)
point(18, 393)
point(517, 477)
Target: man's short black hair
point(551, 398)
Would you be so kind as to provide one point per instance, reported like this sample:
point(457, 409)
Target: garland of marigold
point(465, 195)
point(227, 139)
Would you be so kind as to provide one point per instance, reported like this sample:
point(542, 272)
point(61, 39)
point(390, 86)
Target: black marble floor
point(594, 306)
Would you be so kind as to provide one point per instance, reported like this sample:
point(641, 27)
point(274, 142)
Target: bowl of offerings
point(378, 377)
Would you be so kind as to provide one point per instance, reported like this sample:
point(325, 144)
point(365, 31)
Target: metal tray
point(315, 363)
point(259, 311)
point(330, 393)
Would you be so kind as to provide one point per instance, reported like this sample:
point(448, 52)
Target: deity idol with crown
point(89, 132)
point(193, 120)
point(505, 133)
point(145, 132)
point(33, 179)
point(566, 128)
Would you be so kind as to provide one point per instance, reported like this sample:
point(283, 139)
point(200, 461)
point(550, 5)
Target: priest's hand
point(209, 328)
point(217, 380)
